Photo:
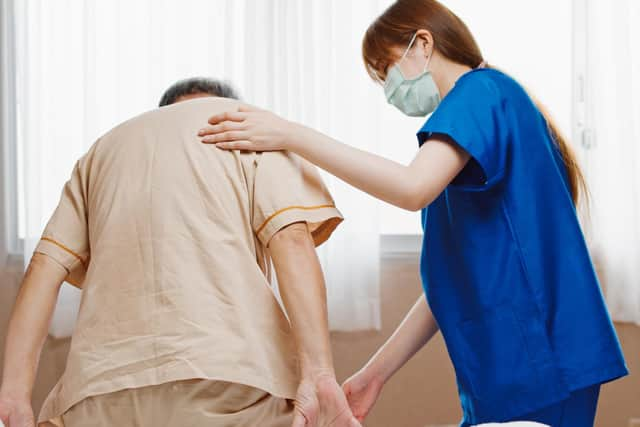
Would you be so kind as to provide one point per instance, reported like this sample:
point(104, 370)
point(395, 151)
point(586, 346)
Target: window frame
point(400, 246)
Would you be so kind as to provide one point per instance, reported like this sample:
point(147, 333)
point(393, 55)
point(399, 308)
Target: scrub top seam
point(523, 263)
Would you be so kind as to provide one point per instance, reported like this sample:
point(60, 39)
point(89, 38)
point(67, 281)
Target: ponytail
point(577, 182)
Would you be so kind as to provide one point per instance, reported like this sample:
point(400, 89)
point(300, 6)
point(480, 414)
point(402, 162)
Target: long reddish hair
point(453, 40)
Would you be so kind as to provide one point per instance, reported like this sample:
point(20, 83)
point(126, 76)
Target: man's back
point(167, 238)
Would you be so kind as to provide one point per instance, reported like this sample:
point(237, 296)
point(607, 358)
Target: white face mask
point(417, 97)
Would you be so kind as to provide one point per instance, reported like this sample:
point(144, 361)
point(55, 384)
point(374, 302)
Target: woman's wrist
point(378, 370)
point(297, 137)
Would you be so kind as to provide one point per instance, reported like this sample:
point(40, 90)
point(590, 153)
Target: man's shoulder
point(198, 106)
point(198, 109)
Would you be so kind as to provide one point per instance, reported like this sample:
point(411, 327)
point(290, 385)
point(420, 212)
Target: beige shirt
point(167, 238)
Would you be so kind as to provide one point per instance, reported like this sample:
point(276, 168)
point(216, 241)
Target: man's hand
point(16, 412)
point(320, 402)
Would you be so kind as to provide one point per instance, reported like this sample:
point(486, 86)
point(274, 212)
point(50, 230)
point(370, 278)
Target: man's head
point(197, 87)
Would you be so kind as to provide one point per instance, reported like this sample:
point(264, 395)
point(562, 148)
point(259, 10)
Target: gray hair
point(195, 85)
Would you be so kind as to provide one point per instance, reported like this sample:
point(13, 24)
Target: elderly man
point(171, 242)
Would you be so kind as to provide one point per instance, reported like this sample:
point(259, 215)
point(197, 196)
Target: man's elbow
point(43, 266)
point(293, 236)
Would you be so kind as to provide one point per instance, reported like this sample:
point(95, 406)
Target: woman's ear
point(424, 39)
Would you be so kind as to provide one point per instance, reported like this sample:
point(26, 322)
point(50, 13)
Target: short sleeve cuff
point(322, 221)
point(60, 253)
point(472, 117)
point(491, 174)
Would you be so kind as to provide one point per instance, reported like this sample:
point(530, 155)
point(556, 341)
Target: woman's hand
point(362, 391)
point(417, 328)
point(16, 412)
point(250, 129)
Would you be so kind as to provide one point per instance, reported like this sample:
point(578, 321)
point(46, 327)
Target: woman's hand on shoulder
point(250, 128)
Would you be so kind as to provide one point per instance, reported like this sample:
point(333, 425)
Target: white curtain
point(86, 65)
point(613, 161)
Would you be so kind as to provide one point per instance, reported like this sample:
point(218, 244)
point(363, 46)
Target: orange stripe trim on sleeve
point(278, 212)
point(64, 248)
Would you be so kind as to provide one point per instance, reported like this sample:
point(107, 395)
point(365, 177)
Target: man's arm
point(304, 295)
point(28, 329)
point(320, 400)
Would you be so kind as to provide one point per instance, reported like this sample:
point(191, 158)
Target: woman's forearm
point(417, 328)
point(382, 178)
point(29, 324)
point(409, 187)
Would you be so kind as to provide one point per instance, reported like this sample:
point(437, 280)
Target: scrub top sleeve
point(66, 237)
point(472, 117)
point(288, 189)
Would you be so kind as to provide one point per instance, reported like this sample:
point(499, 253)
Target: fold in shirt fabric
point(167, 237)
point(183, 403)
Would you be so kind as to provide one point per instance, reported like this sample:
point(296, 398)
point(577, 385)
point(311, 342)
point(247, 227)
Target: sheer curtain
point(86, 65)
point(613, 161)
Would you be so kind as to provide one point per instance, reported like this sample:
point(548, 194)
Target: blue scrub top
point(504, 263)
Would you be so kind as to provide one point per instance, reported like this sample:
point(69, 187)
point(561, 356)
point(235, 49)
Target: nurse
point(505, 268)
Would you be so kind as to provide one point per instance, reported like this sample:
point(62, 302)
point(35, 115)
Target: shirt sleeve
point(287, 190)
point(66, 236)
point(472, 117)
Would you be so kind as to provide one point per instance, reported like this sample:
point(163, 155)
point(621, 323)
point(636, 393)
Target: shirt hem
point(57, 403)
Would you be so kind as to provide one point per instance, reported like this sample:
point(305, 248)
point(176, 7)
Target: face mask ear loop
point(406, 52)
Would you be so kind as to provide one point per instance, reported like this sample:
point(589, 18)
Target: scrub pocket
point(502, 356)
